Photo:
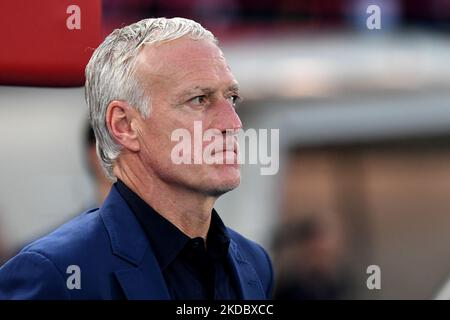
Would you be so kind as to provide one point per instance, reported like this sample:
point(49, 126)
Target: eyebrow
point(234, 87)
point(206, 90)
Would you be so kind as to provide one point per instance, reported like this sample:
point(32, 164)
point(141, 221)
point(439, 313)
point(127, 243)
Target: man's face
point(188, 81)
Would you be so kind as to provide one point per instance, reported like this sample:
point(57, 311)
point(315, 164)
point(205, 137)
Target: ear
point(120, 118)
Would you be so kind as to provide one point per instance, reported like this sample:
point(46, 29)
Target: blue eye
point(234, 99)
point(199, 100)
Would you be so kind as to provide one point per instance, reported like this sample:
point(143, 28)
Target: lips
point(223, 151)
point(233, 149)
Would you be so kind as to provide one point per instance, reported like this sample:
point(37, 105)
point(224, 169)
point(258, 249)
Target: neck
point(188, 210)
point(103, 188)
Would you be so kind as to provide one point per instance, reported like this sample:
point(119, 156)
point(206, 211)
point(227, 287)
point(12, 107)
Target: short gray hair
point(110, 74)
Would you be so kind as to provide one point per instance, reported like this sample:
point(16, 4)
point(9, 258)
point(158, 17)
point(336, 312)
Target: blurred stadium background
point(364, 119)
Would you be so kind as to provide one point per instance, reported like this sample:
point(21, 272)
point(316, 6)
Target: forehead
point(183, 61)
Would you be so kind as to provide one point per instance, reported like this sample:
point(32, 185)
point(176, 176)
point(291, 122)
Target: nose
point(226, 117)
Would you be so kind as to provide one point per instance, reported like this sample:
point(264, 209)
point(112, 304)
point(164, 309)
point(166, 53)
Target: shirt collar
point(166, 239)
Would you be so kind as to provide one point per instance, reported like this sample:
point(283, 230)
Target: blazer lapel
point(143, 280)
point(250, 286)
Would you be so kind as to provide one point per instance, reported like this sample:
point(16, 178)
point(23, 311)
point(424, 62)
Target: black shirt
point(191, 270)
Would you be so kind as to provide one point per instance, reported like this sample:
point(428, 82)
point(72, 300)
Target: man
point(156, 236)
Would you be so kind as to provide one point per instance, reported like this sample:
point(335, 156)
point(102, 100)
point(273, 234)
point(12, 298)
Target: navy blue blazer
point(115, 261)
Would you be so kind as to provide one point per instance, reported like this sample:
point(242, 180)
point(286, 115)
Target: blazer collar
point(128, 240)
point(143, 280)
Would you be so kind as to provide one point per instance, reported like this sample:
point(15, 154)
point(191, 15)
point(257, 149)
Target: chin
point(220, 190)
point(224, 181)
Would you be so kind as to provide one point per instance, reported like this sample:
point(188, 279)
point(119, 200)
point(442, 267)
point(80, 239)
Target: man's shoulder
point(40, 269)
point(77, 240)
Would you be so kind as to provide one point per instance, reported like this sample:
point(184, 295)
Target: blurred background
point(364, 120)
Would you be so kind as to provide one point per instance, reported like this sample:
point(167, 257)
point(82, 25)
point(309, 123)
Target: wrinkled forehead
point(178, 57)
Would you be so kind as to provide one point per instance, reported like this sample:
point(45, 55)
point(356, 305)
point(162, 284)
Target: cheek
point(160, 129)
point(152, 139)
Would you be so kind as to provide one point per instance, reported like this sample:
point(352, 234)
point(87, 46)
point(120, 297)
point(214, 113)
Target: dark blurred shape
point(309, 261)
point(433, 14)
point(96, 172)
point(238, 18)
point(4, 252)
